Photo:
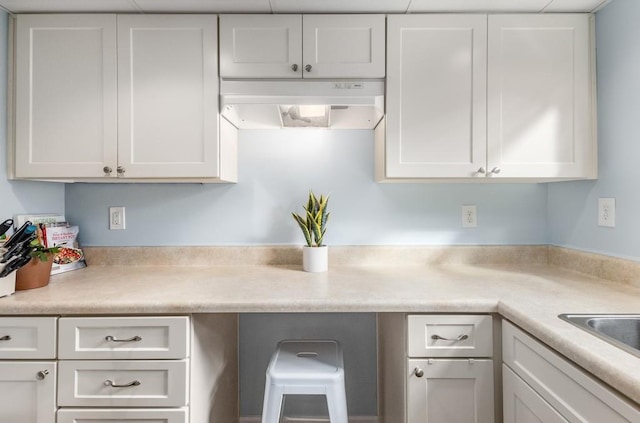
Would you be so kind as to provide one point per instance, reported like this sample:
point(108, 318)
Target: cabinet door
point(522, 404)
point(26, 395)
point(436, 96)
point(450, 391)
point(540, 96)
point(167, 96)
point(343, 46)
point(65, 99)
point(260, 46)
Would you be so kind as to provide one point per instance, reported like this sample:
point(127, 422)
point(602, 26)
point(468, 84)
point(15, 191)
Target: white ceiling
point(300, 6)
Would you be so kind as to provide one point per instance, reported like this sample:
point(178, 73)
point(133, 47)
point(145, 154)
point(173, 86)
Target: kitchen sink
point(621, 330)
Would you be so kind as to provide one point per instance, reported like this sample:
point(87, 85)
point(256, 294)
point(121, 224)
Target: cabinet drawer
point(124, 337)
point(123, 383)
point(574, 394)
point(27, 337)
point(464, 336)
point(102, 415)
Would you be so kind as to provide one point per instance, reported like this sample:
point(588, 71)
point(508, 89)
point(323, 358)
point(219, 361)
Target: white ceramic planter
point(315, 259)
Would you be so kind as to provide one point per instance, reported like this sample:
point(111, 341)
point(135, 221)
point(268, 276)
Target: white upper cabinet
point(167, 96)
point(520, 106)
point(129, 98)
point(541, 96)
point(436, 93)
point(65, 97)
point(296, 46)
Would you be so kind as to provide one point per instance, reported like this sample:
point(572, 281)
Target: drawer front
point(123, 383)
point(114, 338)
point(27, 337)
point(114, 415)
point(449, 336)
point(573, 393)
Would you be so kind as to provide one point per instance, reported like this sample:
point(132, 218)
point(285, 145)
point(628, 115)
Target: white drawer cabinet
point(123, 383)
point(302, 46)
point(110, 338)
point(27, 337)
point(426, 379)
point(563, 387)
point(106, 415)
point(127, 368)
point(449, 336)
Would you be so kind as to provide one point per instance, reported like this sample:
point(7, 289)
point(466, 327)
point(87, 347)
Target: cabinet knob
point(294, 67)
point(107, 169)
point(495, 170)
point(42, 374)
point(481, 171)
point(120, 170)
point(307, 68)
point(418, 372)
point(5, 338)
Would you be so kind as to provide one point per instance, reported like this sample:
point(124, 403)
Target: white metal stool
point(306, 367)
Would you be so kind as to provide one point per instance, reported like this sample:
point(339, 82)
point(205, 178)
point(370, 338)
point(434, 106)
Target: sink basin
point(621, 330)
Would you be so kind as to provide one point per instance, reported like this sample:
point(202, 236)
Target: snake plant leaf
point(305, 230)
point(315, 230)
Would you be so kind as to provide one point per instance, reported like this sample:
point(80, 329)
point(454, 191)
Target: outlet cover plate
point(469, 217)
point(116, 218)
point(607, 212)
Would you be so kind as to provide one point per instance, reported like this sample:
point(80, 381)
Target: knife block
point(8, 284)
point(34, 274)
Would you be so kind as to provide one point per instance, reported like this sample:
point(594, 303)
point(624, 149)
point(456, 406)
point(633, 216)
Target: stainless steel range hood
point(338, 104)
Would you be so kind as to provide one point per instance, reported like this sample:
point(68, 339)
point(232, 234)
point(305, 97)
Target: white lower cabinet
point(423, 374)
point(27, 392)
point(450, 391)
point(103, 415)
point(542, 386)
point(133, 384)
point(521, 404)
point(28, 388)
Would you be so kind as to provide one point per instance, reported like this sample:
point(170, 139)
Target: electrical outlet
point(607, 212)
point(116, 218)
point(469, 217)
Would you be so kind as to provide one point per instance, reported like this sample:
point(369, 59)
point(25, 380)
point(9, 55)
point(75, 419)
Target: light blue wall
point(277, 168)
point(573, 207)
point(20, 196)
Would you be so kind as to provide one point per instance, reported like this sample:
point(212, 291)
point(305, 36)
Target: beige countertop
point(531, 296)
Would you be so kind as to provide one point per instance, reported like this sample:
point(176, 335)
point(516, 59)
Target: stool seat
point(306, 367)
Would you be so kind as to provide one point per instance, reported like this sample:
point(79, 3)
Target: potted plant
point(313, 224)
point(36, 273)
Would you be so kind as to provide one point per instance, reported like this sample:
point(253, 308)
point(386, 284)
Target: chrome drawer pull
point(42, 374)
point(459, 338)
point(112, 339)
point(111, 383)
point(5, 338)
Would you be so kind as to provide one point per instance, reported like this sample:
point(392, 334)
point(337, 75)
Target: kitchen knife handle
point(111, 383)
point(132, 339)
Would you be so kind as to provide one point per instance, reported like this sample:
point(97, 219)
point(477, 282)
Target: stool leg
point(337, 403)
point(272, 406)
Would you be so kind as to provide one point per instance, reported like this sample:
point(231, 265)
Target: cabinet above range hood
point(274, 104)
